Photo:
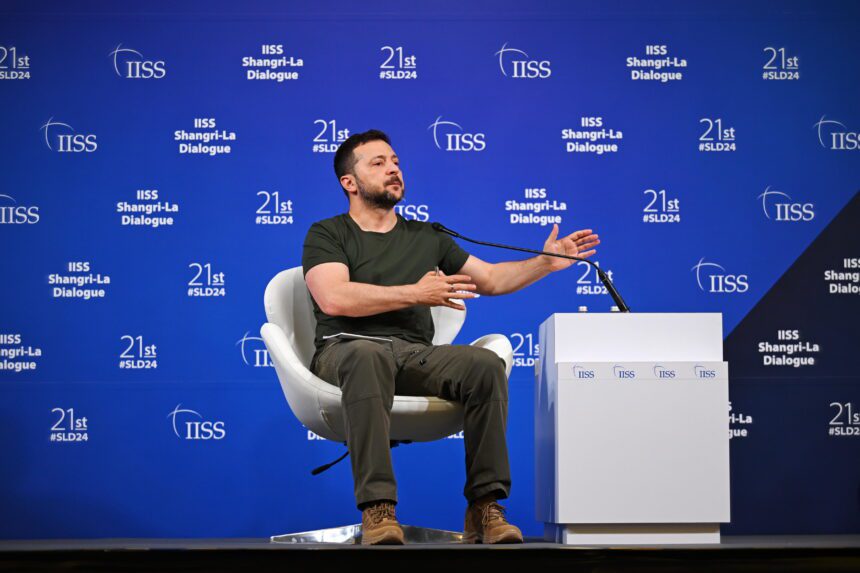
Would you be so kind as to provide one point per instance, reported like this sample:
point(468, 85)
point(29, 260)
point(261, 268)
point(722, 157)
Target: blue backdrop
point(161, 163)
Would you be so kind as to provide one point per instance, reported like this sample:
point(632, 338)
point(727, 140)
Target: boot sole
point(504, 538)
point(390, 536)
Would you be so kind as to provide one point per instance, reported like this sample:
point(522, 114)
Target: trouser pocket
point(426, 354)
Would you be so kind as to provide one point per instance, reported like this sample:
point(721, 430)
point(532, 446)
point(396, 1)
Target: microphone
point(610, 288)
point(443, 229)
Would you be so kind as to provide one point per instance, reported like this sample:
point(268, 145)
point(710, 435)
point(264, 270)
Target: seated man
point(373, 277)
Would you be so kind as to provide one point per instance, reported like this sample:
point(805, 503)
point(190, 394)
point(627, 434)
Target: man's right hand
point(435, 290)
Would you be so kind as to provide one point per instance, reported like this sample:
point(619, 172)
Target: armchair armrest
point(281, 353)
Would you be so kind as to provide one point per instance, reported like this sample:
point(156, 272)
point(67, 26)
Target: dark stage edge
point(736, 553)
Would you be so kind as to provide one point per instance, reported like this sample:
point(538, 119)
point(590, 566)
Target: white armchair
point(289, 336)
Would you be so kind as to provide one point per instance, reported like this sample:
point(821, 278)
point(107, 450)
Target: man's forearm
point(511, 276)
point(361, 299)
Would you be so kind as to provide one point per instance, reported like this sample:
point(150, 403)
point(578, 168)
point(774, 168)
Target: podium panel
point(632, 429)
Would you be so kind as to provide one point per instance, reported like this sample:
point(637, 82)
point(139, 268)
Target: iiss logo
point(582, 373)
point(260, 354)
point(716, 280)
point(662, 372)
point(195, 429)
point(15, 214)
point(131, 64)
point(450, 136)
point(413, 212)
point(66, 142)
point(623, 373)
point(837, 135)
point(700, 371)
point(520, 64)
point(783, 208)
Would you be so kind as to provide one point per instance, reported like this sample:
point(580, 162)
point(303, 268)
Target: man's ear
point(348, 182)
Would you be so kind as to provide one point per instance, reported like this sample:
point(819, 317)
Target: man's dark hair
point(344, 158)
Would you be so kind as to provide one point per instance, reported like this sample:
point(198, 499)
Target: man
point(373, 277)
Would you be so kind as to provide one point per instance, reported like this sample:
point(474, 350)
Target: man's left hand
point(577, 244)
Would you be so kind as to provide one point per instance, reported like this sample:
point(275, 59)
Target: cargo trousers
point(370, 372)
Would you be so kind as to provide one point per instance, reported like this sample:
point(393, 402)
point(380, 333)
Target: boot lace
point(380, 511)
point(491, 512)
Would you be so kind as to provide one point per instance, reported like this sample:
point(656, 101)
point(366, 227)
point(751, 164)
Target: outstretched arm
point(507, 277)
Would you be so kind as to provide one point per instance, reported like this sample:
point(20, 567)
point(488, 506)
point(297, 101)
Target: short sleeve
point(451, 256)
point(321, 246)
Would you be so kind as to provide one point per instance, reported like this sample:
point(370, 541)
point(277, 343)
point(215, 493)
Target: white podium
point(632, 428)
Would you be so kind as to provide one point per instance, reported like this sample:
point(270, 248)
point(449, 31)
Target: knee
point(487, 375)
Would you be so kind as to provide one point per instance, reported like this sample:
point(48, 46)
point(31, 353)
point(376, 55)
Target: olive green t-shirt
point(401, 256)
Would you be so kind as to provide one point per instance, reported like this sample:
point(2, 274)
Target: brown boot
point(486, 523)
point(379, 525)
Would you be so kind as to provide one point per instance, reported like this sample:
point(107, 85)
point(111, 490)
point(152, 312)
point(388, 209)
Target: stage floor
point(837, 553)
point(729, 543)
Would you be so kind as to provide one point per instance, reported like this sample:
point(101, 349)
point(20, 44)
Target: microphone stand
point(610, 288)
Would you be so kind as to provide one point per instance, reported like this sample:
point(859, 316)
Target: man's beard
point(380, 200)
